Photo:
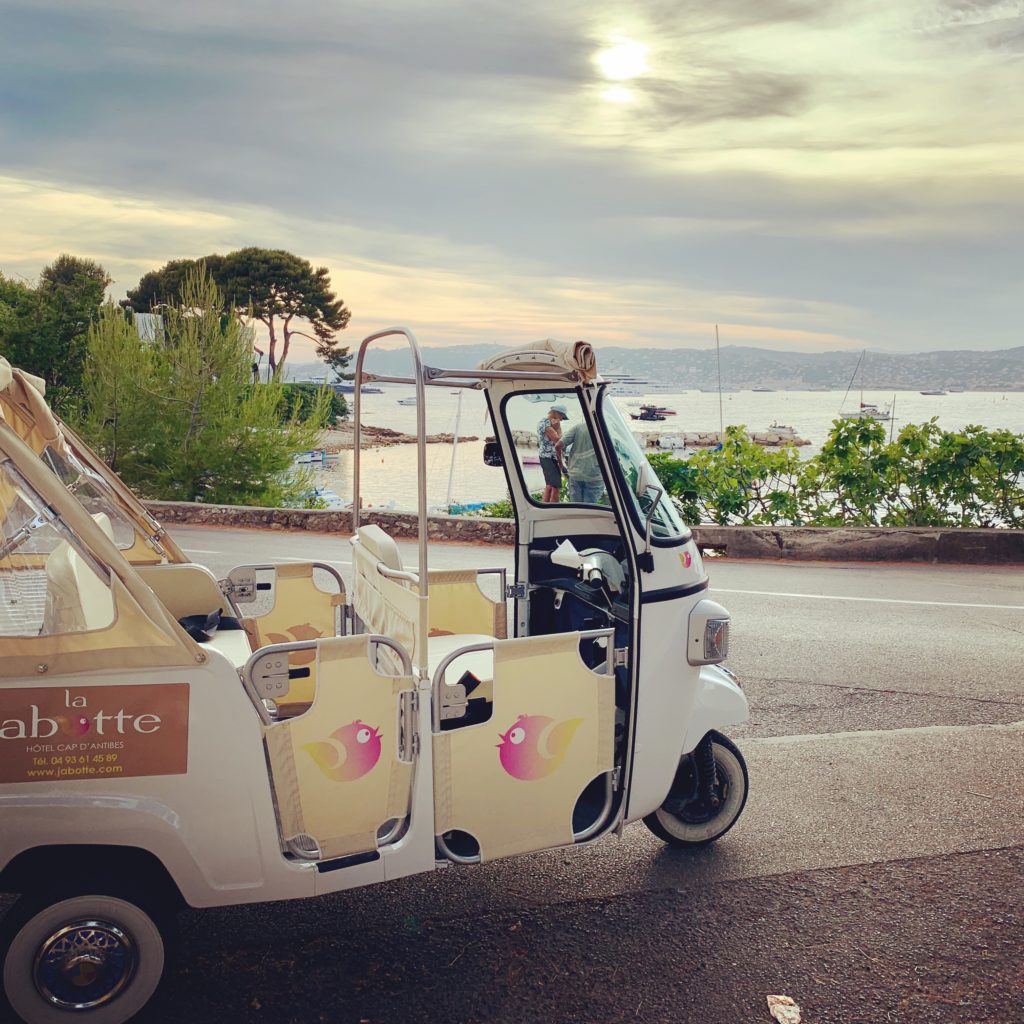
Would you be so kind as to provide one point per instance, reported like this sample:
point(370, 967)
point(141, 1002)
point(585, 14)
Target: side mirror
point(492, 453)
point(645, 480)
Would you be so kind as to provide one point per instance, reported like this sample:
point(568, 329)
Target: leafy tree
point(281, 290)
point(180, 419)
point(163, 287)
point(45, 329)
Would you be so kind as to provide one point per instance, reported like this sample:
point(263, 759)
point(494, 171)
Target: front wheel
point(703, 805)
point(91, 955)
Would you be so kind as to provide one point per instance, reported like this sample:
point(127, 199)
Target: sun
point(624, 59)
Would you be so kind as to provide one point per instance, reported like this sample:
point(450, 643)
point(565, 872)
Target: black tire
point(695, 825)
point(96, 952)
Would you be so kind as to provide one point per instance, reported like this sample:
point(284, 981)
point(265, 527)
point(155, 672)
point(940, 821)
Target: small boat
point(648, 413)
point(763, 389)
point(314, 456)
point(327, 498)
point(672, 443)
point(411, 400)
point(868, 411)
point(530, 460)
point(350, 389)
point(783, 430)
point(935, 391)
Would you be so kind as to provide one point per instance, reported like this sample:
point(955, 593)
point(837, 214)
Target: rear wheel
point(701, 808)
point(94, 955)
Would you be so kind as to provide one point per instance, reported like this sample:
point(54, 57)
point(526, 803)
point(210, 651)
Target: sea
point(389, 474)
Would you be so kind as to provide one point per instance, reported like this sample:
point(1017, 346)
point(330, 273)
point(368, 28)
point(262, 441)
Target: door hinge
point(616, 777)
point(621, 657)
point(408, 734)
point(515, 591)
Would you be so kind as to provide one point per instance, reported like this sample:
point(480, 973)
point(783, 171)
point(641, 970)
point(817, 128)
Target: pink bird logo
point(75, 726)
point(349, 753)
point(521, 752)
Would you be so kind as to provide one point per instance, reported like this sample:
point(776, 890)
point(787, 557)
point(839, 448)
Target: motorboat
point(648, 414)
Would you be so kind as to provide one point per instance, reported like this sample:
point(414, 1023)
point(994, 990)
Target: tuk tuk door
point(342, 770)
point(536, 772)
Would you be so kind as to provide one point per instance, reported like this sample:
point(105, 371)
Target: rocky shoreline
point(340, 439)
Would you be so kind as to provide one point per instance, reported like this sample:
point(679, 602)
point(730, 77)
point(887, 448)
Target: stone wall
point(465, 529)
point(799, 543)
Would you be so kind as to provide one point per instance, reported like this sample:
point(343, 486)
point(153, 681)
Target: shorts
point(552, 474)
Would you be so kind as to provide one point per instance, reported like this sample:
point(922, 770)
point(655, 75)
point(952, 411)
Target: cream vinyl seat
point(77, 599)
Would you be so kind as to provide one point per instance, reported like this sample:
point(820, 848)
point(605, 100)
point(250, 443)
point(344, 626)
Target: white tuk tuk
point(167, 739)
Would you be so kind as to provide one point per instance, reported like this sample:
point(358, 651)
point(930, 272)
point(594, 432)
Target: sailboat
point(865, 410)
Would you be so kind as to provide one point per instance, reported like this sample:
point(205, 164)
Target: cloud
point(843, 170)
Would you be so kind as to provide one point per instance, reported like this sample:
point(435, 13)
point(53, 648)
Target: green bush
point(301, 400)
point(924, 476)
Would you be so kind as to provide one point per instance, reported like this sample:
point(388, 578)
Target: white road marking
point(871, 600)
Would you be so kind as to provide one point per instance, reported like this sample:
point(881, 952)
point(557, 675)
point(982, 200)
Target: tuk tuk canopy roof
point(23, 407)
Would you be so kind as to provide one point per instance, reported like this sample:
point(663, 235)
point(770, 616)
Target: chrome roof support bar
point(421, 438)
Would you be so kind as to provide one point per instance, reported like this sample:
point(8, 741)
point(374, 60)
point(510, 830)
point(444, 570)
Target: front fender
point(719, 702)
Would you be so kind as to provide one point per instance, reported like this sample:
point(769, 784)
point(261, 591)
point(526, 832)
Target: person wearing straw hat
point(549, 437)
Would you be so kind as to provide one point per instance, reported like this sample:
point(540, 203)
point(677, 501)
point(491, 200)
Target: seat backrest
point(386, 606)
point(77, 599)
point(379, 544)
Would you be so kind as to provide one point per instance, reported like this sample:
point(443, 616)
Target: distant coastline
point(691, 369)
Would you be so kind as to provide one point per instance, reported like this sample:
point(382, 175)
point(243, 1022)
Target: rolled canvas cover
point(23, 406)
point(302, 611)
point(578, 356)
point(513, 782)
point(335, 769)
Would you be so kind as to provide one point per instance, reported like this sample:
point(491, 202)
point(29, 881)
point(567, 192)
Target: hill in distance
point(745, 367)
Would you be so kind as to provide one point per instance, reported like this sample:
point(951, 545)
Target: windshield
point(49, 584)
point(94, 494)
point(665, 524)
point(554, 449)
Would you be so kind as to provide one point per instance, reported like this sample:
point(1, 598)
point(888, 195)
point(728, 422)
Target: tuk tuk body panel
point(212, 825)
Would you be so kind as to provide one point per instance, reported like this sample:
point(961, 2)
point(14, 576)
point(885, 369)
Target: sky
point(808, 175)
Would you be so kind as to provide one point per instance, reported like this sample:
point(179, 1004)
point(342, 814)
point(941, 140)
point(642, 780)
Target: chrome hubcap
point(84, 965)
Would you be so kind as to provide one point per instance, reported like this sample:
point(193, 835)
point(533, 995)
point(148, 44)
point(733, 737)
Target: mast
point(721, 411)
point(455, 444)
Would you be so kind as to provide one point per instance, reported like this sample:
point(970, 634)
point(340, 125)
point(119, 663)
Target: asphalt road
point(875, 876)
